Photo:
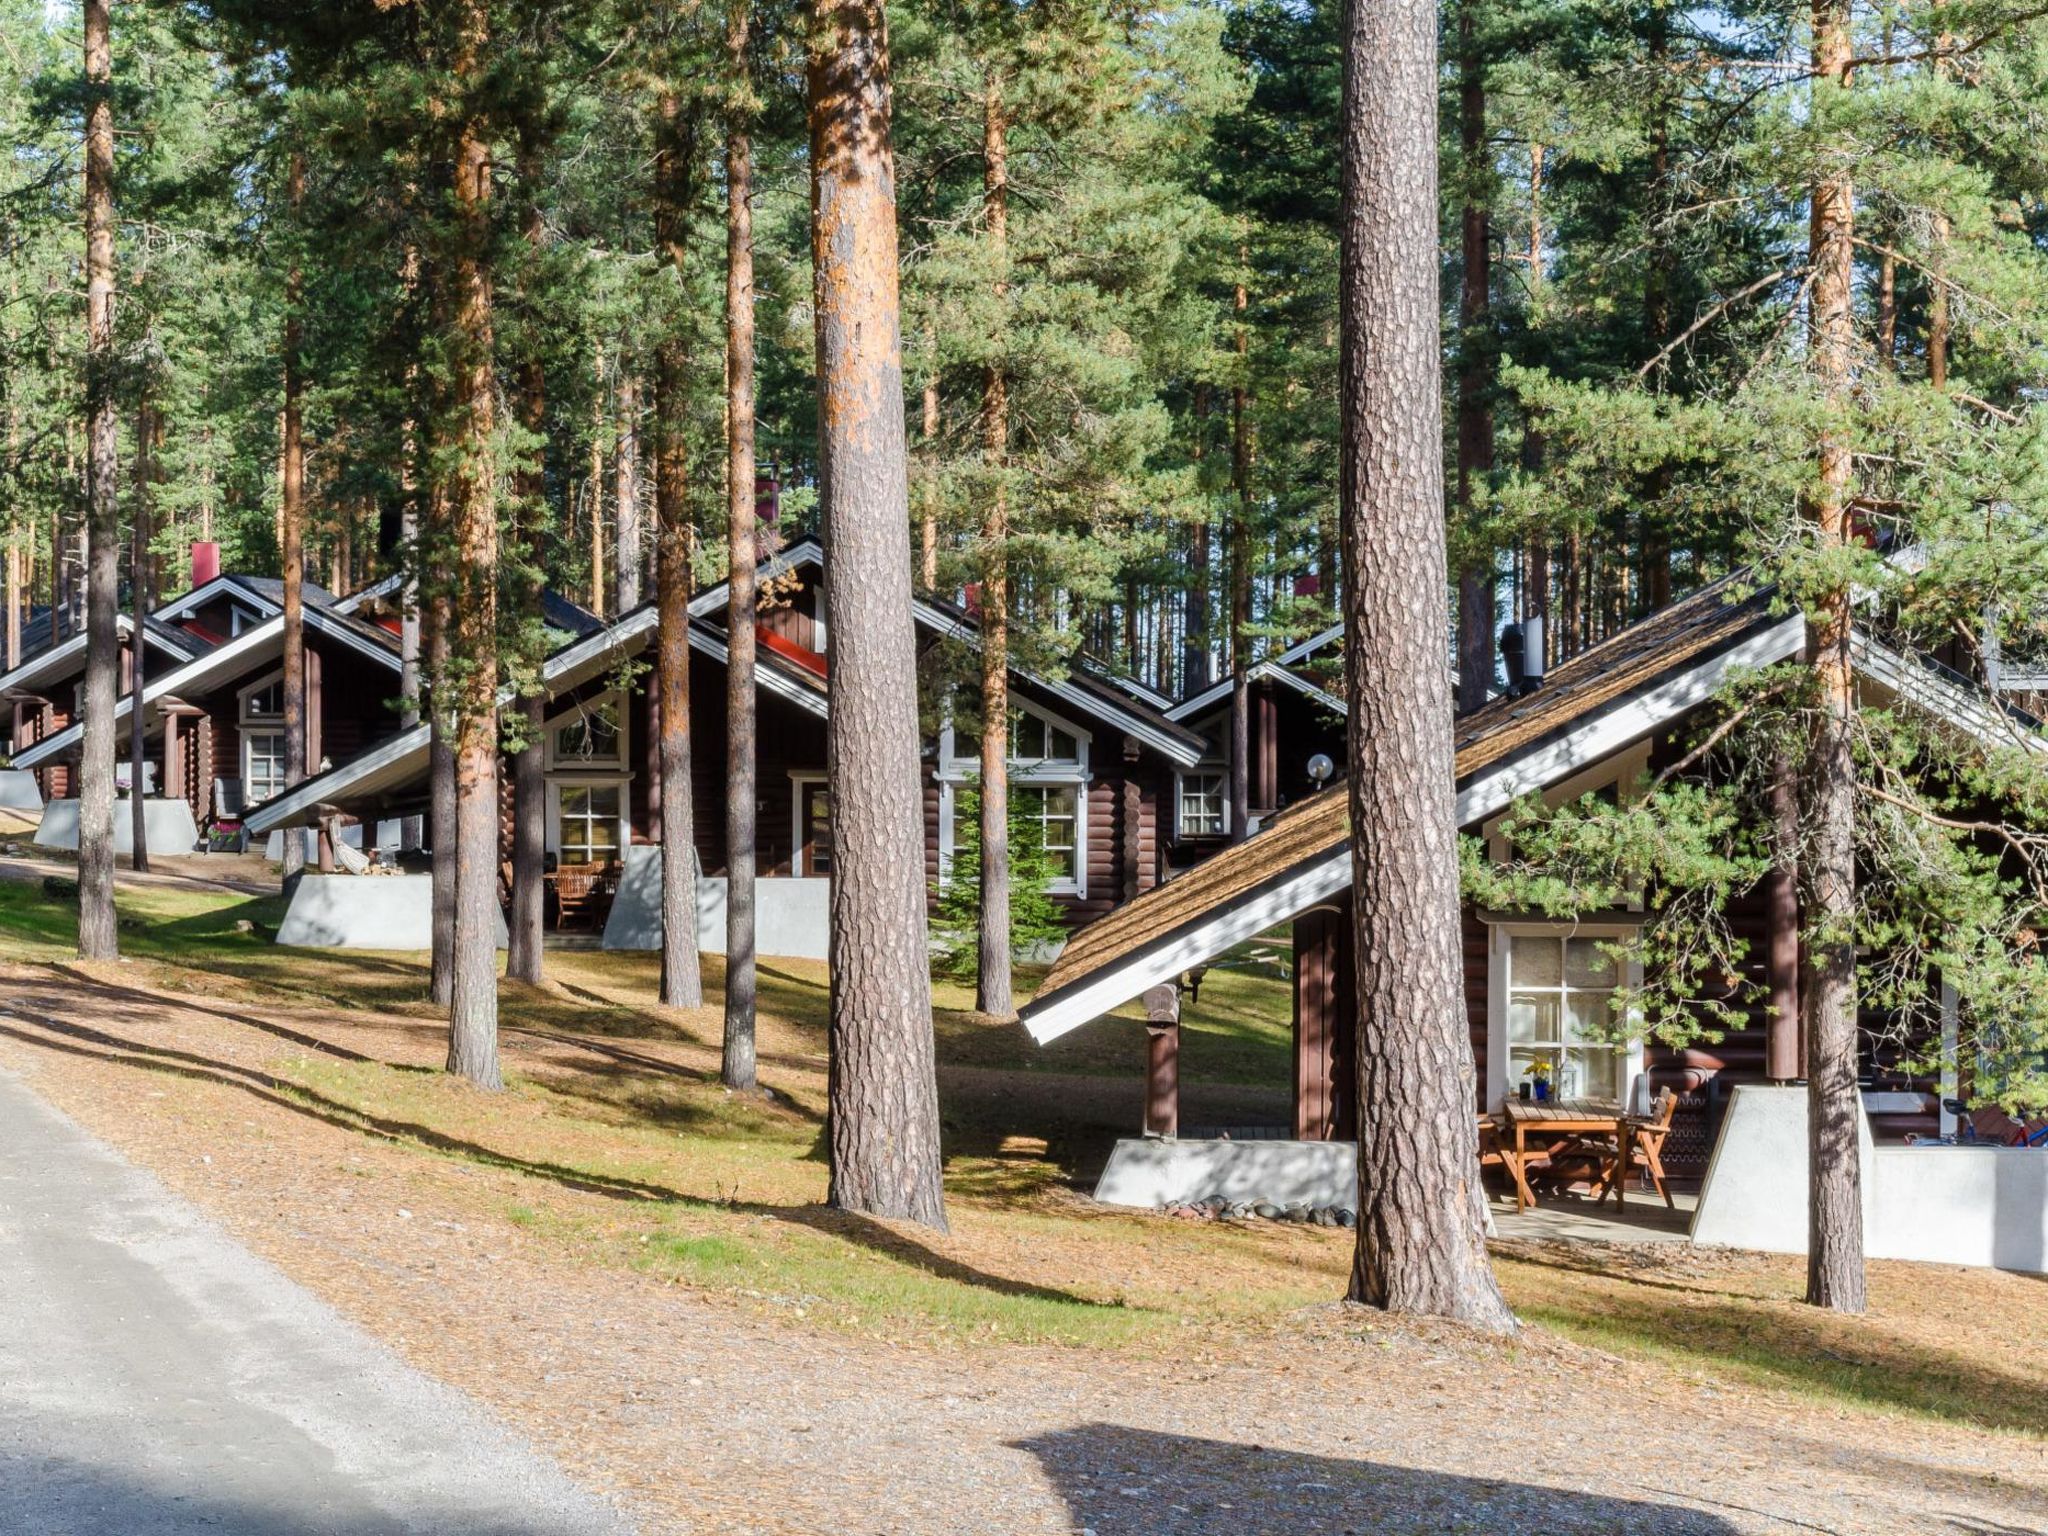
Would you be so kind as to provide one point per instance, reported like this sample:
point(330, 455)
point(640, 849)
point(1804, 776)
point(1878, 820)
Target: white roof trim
point(201, 595)
point(1489, 791)
point(1171, 747)
point(362, 595)
point(217, 663)
point(1929, 691)
point(35, 669)
point(394, 759)
point(1201, 703)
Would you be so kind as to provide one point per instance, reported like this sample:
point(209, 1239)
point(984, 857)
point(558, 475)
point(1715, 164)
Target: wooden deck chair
point(1641, 1145)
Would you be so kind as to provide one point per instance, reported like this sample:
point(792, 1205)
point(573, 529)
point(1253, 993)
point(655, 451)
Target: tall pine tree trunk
point(682, 983)
point(992, 972)
point(98, 935)
point(1421, 1212)
point(1834, 1267)
point(884, 1107)
point(1240, 576)
point(737, 1065)
point(628, 542)
point(1475, 371)
point(138, 596)
point(441, 835)
point(1195, 669)
point(473, 1010)
point(292, 519)
point(524, 958)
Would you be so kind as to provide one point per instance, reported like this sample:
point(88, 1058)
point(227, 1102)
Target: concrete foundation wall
point(792, 918)
point(364, 912)
point(19, 790)
point(167, 824)
point(1981, 1206)
point(387, 837)
point(1151, 1172)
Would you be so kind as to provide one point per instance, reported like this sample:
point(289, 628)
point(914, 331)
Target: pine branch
point(1715, 313)
point(1951, 50)
point(1940, 277)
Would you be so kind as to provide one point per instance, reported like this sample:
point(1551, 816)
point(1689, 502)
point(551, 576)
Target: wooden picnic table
point(1548, 1121)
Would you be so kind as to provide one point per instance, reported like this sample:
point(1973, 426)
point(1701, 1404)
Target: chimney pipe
point(1511, 654)
point(1532, 651)
point(205, 561)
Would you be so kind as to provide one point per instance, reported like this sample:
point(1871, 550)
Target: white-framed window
point(587, 820)
point(1048, 781)
point(262, 765)
point(1202, 802)
point(811, 847)
point(1550, 986)
point(1056, 808)
point(590, 734)
point(263, 700)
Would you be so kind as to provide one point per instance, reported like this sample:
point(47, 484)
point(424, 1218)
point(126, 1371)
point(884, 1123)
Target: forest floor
point(630, 1267)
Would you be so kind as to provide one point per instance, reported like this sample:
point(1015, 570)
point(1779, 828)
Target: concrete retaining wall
point(19, 790)
point(792, 918)
point(167, 824)
point(1980, 1206)
point(387, 837)
point(1151, 1172)
point(364, 912)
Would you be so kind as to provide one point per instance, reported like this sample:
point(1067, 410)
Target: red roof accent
point(789, 650)
point(193, 627)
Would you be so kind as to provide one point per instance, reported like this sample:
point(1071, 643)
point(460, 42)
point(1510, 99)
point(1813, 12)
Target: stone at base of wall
point(1974, 1205)
point(19, 790)
point(364, 912)
point(167, 824)
point(792, 917)
point(1150, 1172)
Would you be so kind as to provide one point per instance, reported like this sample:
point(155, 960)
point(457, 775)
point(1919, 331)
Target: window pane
point(1520, 1061)
point(575, 800)
point(1593, 1074)
point(1587, 1013)
point(1588, 964)
point(1064, 747)
point(1536, 960)
point(1531, 1017)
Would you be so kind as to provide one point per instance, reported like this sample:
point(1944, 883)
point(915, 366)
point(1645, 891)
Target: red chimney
point(768, 499)
point(205, 561)
point(972, 593)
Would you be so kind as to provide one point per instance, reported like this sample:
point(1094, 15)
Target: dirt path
point(710, 1417)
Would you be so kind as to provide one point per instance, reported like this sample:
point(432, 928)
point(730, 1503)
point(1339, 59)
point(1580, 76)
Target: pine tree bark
point(473, 1009)
point(1421, 1213)
point(737, 1067)
point(98, 934)
point(1834, 1267)
point(682, 984)
point(628, 542)
point(1240, 577)
point(1475, 371)
point(524, 953)
point(138, 593)
point(292, 519)
point(1195, 670)
point(441, 834)
point(992, 973)
point(883, 1131)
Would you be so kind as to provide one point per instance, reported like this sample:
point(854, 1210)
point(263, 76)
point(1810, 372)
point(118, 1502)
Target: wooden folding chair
point(1641, 1145)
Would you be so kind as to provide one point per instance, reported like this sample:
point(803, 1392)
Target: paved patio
point(1569, 1218)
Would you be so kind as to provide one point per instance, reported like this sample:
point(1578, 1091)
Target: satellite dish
point(1320, 768)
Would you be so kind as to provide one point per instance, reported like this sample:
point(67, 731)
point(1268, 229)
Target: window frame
point(617, 783)
point(614, 762)
point(956, 773)
point(244, 697)
point(249, 737)
point(801, 782)
point(1218, 771)
point(1499, 983)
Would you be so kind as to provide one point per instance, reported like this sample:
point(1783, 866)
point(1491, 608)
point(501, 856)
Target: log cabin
point(1097, 765)
point(1602, 722)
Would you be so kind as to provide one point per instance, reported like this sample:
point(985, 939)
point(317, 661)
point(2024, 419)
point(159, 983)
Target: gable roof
point(1078, 690)
point(1599, 702)
point(256, 646)
point(56, 664)
point(404, 757)
point(1280, 669)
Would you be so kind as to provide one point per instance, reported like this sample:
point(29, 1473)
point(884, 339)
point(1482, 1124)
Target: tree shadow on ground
point(248, 1021)
point(1121, 1481)
point(95, 1044)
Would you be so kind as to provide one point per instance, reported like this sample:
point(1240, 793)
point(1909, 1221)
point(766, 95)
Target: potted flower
point(1539, 1074)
